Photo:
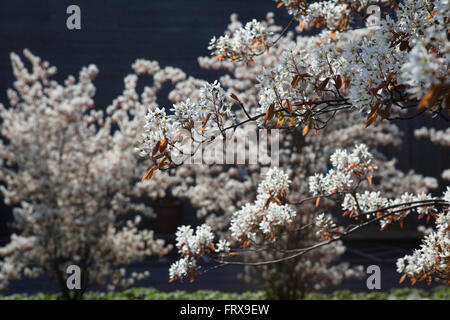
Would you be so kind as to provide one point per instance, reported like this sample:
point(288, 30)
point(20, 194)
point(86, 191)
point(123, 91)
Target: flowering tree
point(383, 72)
point(70, 172)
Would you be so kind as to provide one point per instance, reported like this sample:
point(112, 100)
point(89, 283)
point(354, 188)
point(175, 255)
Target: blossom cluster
point(165, 134)
point(348, 170)
point(325, 225)
point(331, 14)
point(429, 262)
point(241, 43)
point(412, 51)
point(191, 246)
point(189, 243)
point(422, 70)
point(267, 214)
point(345, 178)
point(432, 259)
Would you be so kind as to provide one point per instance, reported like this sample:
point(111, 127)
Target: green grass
point(441, 293)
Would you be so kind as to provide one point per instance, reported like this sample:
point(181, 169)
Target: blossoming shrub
point(70, 172)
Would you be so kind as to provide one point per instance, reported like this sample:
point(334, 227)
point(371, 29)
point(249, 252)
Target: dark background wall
point(116, 32)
